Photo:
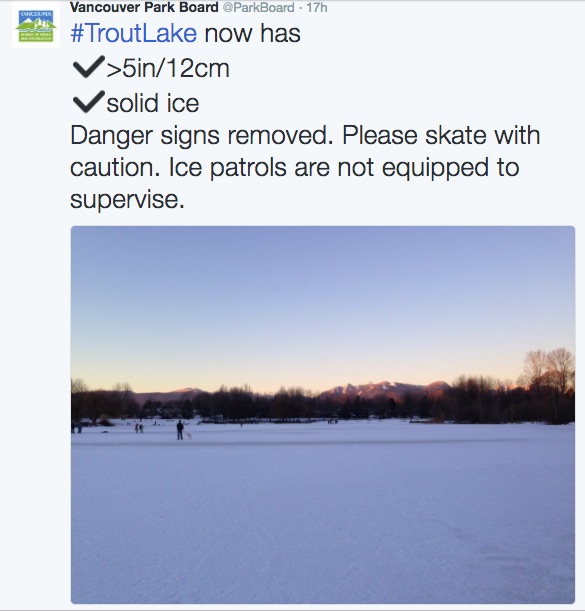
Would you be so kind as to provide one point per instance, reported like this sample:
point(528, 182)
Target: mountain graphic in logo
point(35, 26)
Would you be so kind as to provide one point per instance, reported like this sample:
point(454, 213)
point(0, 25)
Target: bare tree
point(77, 386)
point(535, 366)
point(560, 364)
point(125, 400)
point(78, 397)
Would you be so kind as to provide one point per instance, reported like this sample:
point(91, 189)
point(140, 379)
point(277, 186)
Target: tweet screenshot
point(290, 303)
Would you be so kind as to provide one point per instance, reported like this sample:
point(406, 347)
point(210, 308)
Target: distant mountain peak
point(394, 390)
point(174, 395)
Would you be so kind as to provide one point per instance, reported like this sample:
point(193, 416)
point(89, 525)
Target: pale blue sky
point(163, 308)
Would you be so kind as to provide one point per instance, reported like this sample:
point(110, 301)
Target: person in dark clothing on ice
point(180, 428)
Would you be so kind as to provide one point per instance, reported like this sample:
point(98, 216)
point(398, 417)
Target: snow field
point(355, 513)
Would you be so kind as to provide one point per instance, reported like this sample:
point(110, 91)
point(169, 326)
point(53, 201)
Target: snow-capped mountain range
point(387, 390)
point(41, 24)
point(163, 397)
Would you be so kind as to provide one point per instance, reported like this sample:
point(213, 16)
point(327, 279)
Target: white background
point(384, 64)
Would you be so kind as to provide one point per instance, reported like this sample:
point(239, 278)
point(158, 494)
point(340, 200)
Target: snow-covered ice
point(358, 513)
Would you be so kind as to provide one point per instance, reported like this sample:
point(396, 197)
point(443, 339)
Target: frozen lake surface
point(382, 512)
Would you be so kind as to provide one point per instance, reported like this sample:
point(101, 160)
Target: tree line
point(545, 392)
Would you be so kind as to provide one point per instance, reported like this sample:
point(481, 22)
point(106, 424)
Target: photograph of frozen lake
point(355, 513)
point(350, 416)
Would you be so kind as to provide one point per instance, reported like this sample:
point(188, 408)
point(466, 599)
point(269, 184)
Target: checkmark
point(90, 105)
point(91, 69)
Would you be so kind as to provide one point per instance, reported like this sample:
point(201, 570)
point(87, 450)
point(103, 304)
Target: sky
point(164, 308)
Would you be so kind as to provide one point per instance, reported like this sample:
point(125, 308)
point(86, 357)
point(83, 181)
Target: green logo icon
point(35, 26)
